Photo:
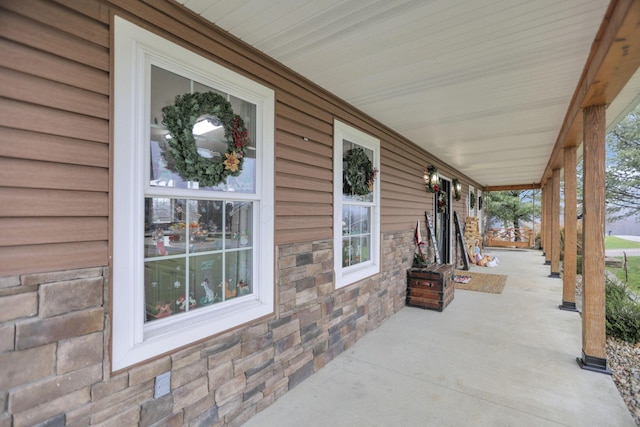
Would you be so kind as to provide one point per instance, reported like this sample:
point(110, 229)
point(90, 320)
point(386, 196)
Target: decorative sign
point(432, 233)
point(461, 243)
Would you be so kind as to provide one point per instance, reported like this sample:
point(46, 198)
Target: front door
point(443, 220)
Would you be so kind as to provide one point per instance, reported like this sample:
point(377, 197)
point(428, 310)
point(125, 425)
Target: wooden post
point(570, 230)
point(543, 219)
point(548, 200)
point(555, 224)
point(594, 355)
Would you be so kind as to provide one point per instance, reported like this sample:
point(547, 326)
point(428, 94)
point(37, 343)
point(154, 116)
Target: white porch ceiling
point(484, 85)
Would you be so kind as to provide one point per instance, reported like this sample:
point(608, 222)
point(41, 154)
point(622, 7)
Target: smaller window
point(356, 204)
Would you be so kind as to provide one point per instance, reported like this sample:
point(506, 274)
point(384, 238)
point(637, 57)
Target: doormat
point(479, 282)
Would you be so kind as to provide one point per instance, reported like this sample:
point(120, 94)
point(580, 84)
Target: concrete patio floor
point(487, 360)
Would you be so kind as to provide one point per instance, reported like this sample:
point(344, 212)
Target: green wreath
point(179, 119)
point(359, 173)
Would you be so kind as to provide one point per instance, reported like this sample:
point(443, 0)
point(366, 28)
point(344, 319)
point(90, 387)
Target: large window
point(189, 260)
point(356, 204)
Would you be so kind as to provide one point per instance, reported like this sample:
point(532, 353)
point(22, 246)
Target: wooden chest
point(431, 287)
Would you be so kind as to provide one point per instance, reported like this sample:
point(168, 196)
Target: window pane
point(346, 147)
point(165, 229)
point(206, 273)
point(356, 242)
point(165, 86)
point(165, 284)
point(238, 273)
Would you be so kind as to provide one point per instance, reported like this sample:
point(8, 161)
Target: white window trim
point(471, 210)
point(133, 48)
point(348, 275)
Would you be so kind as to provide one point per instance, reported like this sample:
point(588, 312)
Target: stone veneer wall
point(54, 345)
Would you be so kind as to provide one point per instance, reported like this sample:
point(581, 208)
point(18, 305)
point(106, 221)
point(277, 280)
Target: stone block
point(38, 332)
point(113, 385)
point(7, 337)
point(149, 371)
point(190, 393)
point(220, 375)
point(186, 357)
point(60, 276)
point(9, 281)
point(242, 417)
point(254, 331)
point(130, 416)
point(18, 306)
point(175, 420)
point(298, 362)
point(22, 367)
point(202, 406)
point(306, 296)
point(56, 421)
point(325, 288)
point(287, 262)
point(281, 330)
point(255, 360)
point(5, 420)
point(51, 388)
point(230, 390)
point(256, 344)
point(112, 403)
point(301, 374)
point(80, 352)
point(206, 419)
point(154, 410)
point(286, 343)
point(182, 376)
point(64, 297)
point(306, 283)
point(51, 409)
point(229, 407)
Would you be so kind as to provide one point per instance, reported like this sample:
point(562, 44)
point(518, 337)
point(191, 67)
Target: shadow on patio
point(487, 360)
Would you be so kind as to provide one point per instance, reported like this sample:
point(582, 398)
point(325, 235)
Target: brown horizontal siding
point(41, 64)
point(20, 115)
point(47, 39)
point(36, 90)
point(62, 19)
point(54, 257)
point(54, 136)
point(38, 231)
point(24, 144)
point(48, 175)
point(285, 182)
point(28, 202)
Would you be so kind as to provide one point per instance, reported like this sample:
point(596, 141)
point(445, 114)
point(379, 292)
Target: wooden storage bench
point(430, 287)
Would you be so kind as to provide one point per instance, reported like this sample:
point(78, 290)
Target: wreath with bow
point(180, 118)
point(359, 173)
point(442, 201)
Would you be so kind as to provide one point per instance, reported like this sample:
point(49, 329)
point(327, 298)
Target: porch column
point(547, 223)
point(543, 226)
point(594, 355)
point(570, 230)
point(555, 224)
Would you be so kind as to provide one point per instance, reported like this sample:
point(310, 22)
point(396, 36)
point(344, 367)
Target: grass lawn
point(612, 242)
point(634, 273)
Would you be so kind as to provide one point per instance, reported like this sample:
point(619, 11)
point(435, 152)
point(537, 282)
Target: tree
point(511, 207)
point(623, 168)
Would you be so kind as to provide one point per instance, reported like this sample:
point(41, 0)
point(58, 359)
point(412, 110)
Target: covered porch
point(487, 360)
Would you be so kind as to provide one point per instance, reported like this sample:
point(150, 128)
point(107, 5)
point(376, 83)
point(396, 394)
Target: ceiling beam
point(614, 58)
point(512, 187)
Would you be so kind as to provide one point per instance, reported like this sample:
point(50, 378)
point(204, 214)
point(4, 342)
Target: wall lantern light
point(432, 179)
point(457, 189)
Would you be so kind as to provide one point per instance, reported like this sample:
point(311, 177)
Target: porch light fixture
point(432, 179)
point(457, 189)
